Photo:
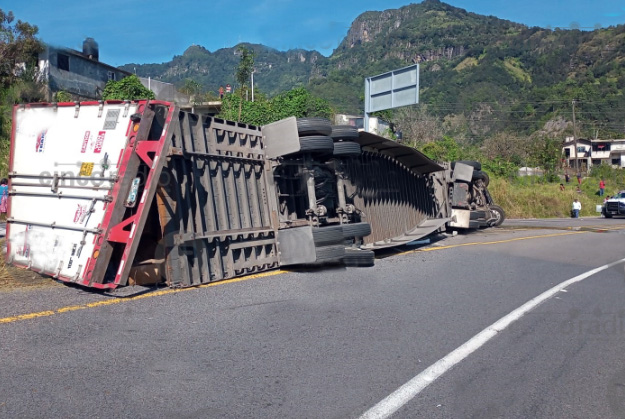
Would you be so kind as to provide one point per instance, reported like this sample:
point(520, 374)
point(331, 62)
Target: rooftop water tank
point(90, 49)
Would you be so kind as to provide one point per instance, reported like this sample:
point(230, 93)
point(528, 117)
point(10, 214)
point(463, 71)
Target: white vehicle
point(614, 205)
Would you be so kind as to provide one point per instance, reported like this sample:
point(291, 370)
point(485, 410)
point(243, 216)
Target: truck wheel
point(356, 230)
point(359, 258)
point(323, 236)
point(482, 175)
point(330, 253)
point(316, 144)
point(347, 149)
point(607, 215)
point(499, 215)
point(344, 132)
point(474, 164)
point(314, 126)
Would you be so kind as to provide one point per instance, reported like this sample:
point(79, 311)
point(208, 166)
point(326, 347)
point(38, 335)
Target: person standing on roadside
point(579, 178)
point(577, 207)
point(4, 196)
point(601, 187)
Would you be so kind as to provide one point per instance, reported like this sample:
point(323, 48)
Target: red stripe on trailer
point(119, 159)
point(39, 104)
point(95, 236)
point(84, 271)
point(160, 102)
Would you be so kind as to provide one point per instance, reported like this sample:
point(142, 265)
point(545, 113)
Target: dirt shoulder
point(12, 278)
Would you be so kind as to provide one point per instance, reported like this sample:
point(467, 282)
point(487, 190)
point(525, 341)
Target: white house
point(594, 152)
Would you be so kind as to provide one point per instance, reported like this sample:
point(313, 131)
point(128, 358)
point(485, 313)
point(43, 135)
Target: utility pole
point(575, 140)
point(252, 75)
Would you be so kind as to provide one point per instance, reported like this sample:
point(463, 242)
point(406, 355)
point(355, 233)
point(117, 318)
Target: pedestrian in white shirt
point(577, 207)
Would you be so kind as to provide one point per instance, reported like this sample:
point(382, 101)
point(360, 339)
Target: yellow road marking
point(431, 249)
point(95, 304)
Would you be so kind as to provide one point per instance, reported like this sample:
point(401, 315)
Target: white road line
point(412, 388)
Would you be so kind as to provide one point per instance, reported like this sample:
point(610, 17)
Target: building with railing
point(594, 152)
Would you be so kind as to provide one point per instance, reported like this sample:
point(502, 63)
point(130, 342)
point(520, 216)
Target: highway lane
point(333, 342)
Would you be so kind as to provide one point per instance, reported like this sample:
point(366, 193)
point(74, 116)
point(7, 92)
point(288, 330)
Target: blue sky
point(153, 31)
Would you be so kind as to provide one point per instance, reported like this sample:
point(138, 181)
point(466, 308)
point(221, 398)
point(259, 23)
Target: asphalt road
point(333, 343)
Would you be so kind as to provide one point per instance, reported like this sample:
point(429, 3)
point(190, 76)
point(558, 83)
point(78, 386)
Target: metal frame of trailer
point(215, 209)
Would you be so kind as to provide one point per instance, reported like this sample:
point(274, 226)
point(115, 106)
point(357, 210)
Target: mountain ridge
point(465, 59)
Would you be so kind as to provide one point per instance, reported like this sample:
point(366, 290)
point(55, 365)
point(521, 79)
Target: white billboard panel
point(392, 90)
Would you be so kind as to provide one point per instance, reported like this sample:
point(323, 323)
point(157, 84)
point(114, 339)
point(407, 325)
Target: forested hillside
point(479, 74)
point(276, 71)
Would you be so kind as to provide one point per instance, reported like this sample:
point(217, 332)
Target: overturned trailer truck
point(103, 194)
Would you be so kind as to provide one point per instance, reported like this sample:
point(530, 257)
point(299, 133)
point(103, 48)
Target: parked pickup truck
point(103, 194)
point(614, 205)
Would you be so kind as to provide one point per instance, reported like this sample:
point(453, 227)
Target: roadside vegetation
point(533, 197)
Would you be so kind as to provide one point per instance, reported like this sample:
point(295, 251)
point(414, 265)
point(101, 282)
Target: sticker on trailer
point(134, 190)
point(79, 216)
point(86, 169)
point(99, 141)
point(85, 141)
point(41, 141)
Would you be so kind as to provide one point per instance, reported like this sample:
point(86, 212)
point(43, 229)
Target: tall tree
point(18, 48)
point(418, 126)
point(244, 71)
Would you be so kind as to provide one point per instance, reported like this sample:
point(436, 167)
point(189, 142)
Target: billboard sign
point(392, 90)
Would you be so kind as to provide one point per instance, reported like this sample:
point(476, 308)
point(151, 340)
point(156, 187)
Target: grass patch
point(532, 198)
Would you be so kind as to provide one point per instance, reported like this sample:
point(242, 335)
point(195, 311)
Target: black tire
point(359, 258)
point(607, 215)
point(316, 144)
point(332, 235)
point(314, 126)
point(329, 253)
point(344, 132)
point(347, 149)
point(481, 175)
point(499, 215)
point(356, 230)
point(474, 164)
